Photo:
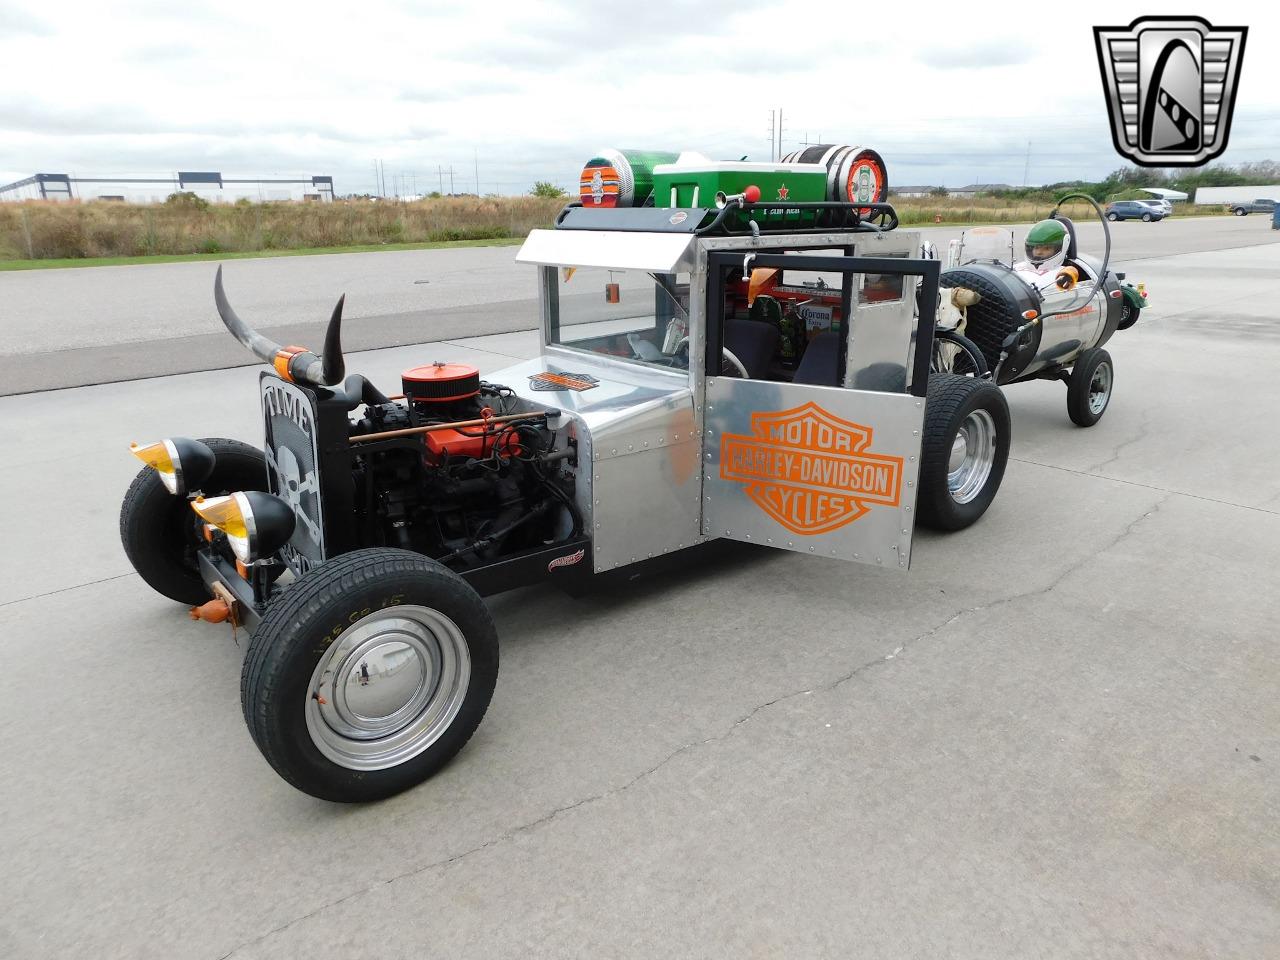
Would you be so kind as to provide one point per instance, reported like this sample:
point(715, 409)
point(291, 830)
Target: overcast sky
point(948, 93)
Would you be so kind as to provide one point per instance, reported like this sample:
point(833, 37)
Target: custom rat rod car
point(1044, 317)
point(665, 409)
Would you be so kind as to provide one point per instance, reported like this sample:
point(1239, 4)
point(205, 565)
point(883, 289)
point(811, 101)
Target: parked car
point(1255, 206)
point(1133, 210)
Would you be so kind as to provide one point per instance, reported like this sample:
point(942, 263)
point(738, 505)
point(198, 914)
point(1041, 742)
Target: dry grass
point(59, 230)
point(45, 230)
point(923, 210)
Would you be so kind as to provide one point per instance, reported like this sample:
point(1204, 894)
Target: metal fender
point(1133, 297)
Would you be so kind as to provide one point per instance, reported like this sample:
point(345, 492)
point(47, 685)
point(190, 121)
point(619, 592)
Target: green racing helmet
point(1047, 245)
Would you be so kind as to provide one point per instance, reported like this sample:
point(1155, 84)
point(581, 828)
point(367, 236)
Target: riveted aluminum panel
point(823, 470)
point(638, 482)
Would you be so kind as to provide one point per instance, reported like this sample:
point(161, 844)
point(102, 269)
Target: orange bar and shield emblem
point(809, 469)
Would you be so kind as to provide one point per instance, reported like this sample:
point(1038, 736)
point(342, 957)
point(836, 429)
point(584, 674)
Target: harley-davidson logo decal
point(809, 469)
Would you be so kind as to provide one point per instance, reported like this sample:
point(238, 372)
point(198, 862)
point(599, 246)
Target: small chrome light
point(183, 465)
point(256, 524)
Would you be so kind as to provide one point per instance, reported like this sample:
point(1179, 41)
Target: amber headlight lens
point(256, 524)
point(183, 465)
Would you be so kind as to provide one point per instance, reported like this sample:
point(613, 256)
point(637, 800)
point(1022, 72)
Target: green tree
point(186, 200)
point(543, 188)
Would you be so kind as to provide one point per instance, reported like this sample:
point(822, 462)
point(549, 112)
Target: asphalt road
point(1057, 737)
point(79, 326)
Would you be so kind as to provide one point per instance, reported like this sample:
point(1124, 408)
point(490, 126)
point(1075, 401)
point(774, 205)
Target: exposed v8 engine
point(479, 487)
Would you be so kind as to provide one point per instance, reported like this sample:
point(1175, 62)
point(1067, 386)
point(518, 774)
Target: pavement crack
point(76, 586)
point(1143, 428)
point(561, 811)
point(1260, 508)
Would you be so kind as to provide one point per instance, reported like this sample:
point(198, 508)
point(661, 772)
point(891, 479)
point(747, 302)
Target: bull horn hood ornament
point(295, 364)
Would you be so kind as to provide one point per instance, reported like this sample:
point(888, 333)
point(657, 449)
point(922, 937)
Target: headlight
point(183, 464)
point(256, 524)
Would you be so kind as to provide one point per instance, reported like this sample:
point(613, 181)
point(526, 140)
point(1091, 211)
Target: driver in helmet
point(1046, 249)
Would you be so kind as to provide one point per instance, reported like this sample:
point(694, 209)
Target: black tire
point(1113, 216)
point(969, 360)
point(324, 608)
point(161, 534)
point(1146, 218)
point(1128, 316)
point(1240, 212)
point(1081, 407)
point(952, 400)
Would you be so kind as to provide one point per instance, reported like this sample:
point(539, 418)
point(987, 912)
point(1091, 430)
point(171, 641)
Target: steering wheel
point(731, 366)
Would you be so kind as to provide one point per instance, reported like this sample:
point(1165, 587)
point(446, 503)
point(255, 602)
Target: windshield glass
point(986, 245)
point(628, 314)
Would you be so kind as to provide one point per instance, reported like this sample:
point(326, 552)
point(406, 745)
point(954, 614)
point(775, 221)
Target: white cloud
point(947, 94)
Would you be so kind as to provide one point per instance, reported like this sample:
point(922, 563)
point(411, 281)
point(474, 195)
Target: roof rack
point(735, 218)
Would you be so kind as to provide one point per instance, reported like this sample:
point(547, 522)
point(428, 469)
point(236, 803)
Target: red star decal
point(783, 192)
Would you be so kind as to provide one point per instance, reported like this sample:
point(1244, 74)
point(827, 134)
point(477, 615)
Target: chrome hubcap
point(388, 687)
point(1100, 388)
point(973, 453)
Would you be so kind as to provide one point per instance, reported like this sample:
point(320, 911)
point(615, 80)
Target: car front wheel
point(1089, 388)
point(161, 534)
point(369, 674)
point(965, 449)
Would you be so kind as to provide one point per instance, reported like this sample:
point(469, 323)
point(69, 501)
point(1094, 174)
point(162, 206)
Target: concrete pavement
point(78, 326)
point(1058, 736)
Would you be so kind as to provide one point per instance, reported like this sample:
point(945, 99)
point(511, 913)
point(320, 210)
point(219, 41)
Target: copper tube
point(412, 431)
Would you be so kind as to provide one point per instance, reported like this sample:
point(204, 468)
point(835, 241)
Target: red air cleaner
point(440, 382)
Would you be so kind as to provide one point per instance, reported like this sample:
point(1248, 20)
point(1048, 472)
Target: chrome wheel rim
point(1100, 388)
point(973, 454)
point(388, 687)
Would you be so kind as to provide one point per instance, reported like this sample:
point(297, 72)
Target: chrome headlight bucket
point(256, 524)
point(183, 465)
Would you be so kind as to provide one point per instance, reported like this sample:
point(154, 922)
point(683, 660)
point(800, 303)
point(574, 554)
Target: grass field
point(247, 254)
point(44, 234)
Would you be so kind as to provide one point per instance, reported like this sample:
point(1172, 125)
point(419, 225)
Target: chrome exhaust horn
point(295, 364)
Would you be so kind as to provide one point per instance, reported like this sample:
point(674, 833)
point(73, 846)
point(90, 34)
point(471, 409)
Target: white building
point(212, 185)
point(1229, 195)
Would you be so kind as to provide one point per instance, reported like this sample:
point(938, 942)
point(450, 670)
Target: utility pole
point(773, 127)
point(451, 179)
point(1026, 170)
point(779, 156)
point(477, 150)
point(440, 171)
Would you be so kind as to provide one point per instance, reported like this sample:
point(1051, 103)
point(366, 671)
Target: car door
point(827, 468)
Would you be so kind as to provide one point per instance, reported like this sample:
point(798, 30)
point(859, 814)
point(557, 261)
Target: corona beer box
point(694, 181)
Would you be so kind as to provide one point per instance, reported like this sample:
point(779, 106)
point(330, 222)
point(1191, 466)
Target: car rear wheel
point(1089, 388)
point(1128, 316)
point(1113, 216)
point(369, 674)
point(161, 534)
point(1146, 218)
point(965, 449)
point(1240, 211)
